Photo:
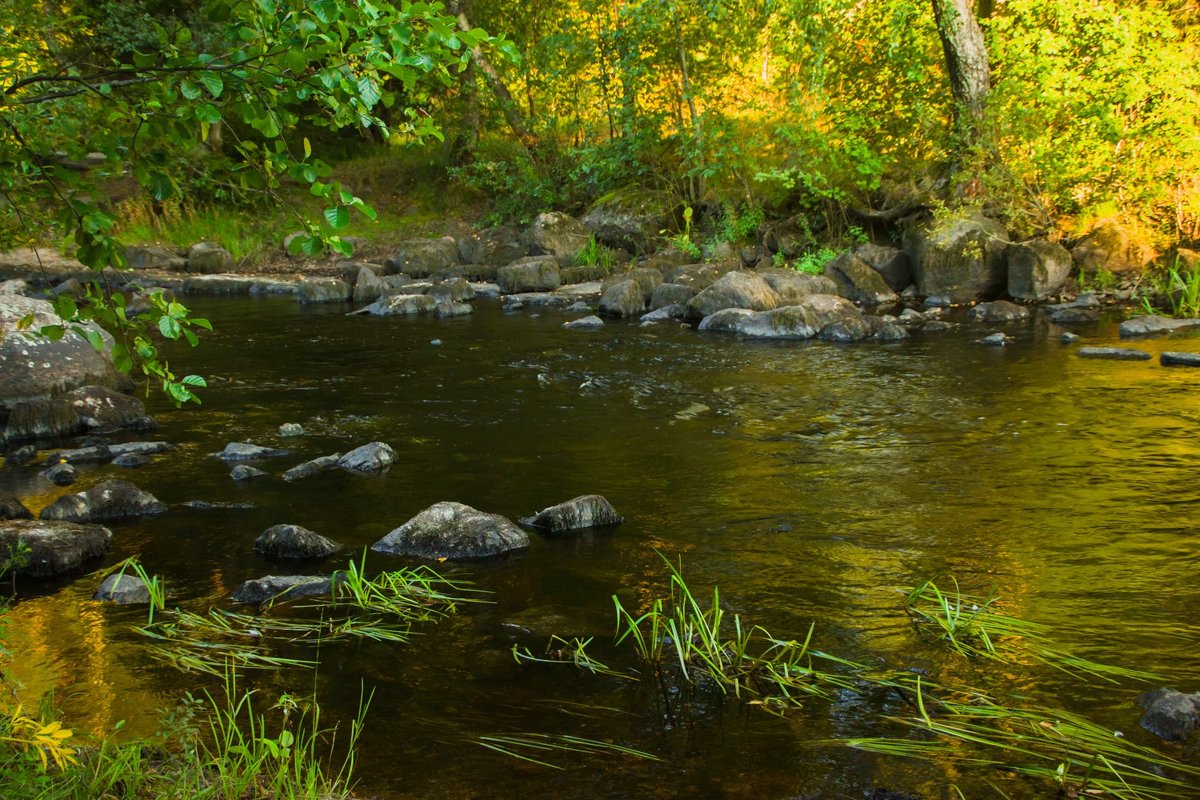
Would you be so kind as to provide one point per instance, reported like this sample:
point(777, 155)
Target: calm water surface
point(810, 481)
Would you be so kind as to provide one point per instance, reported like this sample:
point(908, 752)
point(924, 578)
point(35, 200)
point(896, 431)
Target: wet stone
point(247, 451)
point(1180, 359)
point(60, 474)
point(1114, 353)
point(293, 541)
point(123, 589)
point(130, 461)
point(243, 472)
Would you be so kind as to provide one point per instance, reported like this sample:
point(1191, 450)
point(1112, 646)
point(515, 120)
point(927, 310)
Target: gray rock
point(734, 290)
point(647, 278)
point(12, 508)
point(453, 531)
point(534, 274)
point(60, 474)
point(1180, 359)
point(33, 367)
point(622, 299)
point(494, 246)
point(449, 310)
point(453, 290)
point(631, 219)
point(244, 472)
point(123, 589)
point(314, 467)
point(583, 273)
point(42, 418)
point(1074, 315)
point(998, 311)
point(790, 236)
point(207, 505)
point(791, 285)
point(937, 325)
point(858, 282)
point(22, 455)
point(892, 264)
point(1111, 247)
point(290, 429)
point(584, 323)
point(559, 235)
point(208, 258)
point(130, 461)
point(1170, 714)
point(402, 304)
point(54, 547)
point(960, 257)
point(368, 287)
point(1150, 325)
point(83, 455)
point(1069, 338)
point(671, 294)
point(220, 285)
point(420, 258)
point(104, 501)
point(665, 313)
point(102, 410)
point(1114, 353)
point(828, 316)
point(370, 458)
point(282, 587)
point(323, 290)
point(995, 340)
point(1037, 270)
point(585, 511)
point(578, 308)
point(139, 448)
point(247, 451)
point(293, 541)
point(154, 256)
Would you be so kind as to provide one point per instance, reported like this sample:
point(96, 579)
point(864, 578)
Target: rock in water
point(314, 467)
point(123, 589)
point(585, 511)
point(370, 458)
point(453, 530)
point(1114, 353)
point(12, 508)
point(274, 587)
point(53, 547)
point(293, 541)
point(1170, 714)
point(104, 501)
point(244, 472)
point(247, 451)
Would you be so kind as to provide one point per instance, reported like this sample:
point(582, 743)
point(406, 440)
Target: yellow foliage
point(48, 740)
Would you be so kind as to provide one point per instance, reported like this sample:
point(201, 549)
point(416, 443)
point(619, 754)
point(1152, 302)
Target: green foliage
point(594, 254)
point(682, 241)
point(210, 96)
point(813, 262)
point(737, 225)
point(517, 188)
point(1174, 289)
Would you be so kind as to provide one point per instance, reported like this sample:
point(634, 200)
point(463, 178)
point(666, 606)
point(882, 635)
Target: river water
point(809, 481)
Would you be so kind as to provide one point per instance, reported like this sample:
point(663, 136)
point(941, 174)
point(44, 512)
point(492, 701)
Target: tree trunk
point(512, 112)
point(966, 62)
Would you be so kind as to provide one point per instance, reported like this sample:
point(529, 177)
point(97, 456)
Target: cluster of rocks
point(204, 258)
point(369, 459)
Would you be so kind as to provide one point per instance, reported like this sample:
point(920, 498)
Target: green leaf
point(326, 10)
point(368, 91)
point(194, 380)
point(212, 81)
point(121, 359)
point(95, 339)
point(52, 332)
point(169, 327)
point(207, 112)
point(337, 217)
point(189, 90)
point(66, 307)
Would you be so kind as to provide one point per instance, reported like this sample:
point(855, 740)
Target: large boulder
point(453, 531)
point(559, 235)
point(1170, 714)
point(733, 290)
point(1113, 247)
point(33, 367)
point(789, 236)
point(497, 246)
point(52, 547)
point(671, 294)
point(402, 305)
point(622, 299)
point(533, 274)
point(371, 458)
point(104, 501)
point(95, 409)
point(647, 279)
point(858, 282)
point(368, 287)
point(998, 311)
point(293, 541)
point(632, 219)
point(323, 290)
point(892, 264)
point(420, 258)
point(961, 258)
point(816, 316)
point(585, 511)
point(452, 290)
point(791, 285)
point(13, 508)
point(1037, 270)
point(209, 259)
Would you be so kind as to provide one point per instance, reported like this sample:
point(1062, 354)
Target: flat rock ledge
point(1114, 353)
point(1180, 359)
point(453, 531)
point(54, 547)
point(247, 451)
point(1152, 325)
point(585, 511)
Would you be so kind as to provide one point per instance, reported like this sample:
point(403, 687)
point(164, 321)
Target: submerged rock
point(104, 501)
point(1180, 359)
point(123, 588)
point(244, 472)
point(1114, 353)
point(276, 587)
point(12, 508)
point(994, 340)
point(293, 541)
point(584, 323)
point(453, 530)
point(401, 305)
point(1151, 324)
point(53, 547)
point(370, 458)
point(207, 505)
point(62, 474)
point(313, 467)
point(247, 451)
point(585, 511)
point(998, 311)
point(1170, 714)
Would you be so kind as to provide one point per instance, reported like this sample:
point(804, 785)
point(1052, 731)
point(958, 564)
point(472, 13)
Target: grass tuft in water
point(529, 746)
point(568, 651)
